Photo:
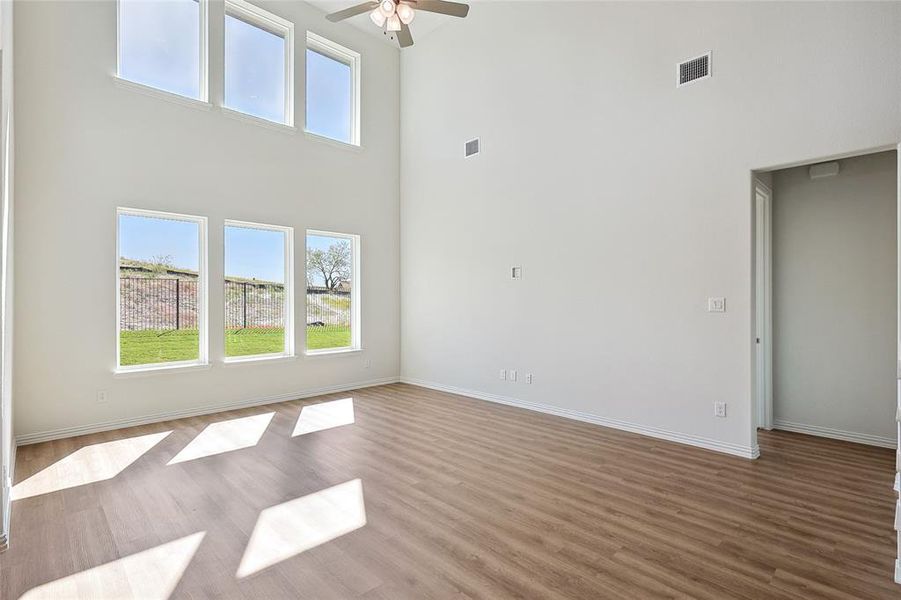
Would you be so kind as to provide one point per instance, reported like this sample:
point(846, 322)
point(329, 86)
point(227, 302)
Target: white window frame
point(203, 350)
point(328, 48)
point(204, 50)
point(289, 289)
point(257, 17)
point(355, 305)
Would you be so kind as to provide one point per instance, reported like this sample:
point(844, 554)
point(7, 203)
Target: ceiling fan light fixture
point(393, 23)
point(393, 17)
point(405, 13)
point(387, 7)
point(378, 18)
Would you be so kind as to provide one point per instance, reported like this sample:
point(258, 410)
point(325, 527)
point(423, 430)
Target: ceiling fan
point(395, 16)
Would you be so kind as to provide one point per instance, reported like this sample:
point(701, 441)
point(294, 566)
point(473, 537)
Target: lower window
point(333, 292)
point(161, 289)
point(258, 303)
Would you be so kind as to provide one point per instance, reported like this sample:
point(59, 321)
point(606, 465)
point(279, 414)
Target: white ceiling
point(422, 25)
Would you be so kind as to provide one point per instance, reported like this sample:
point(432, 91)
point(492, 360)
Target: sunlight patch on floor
point(225, 436)
point(148, 575)
point(97, 462)
point(325, 415)
point(287, 529)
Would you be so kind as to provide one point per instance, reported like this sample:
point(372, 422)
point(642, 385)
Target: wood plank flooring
point(462, 499)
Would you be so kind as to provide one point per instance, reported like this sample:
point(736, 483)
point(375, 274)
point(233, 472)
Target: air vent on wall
point(693, 70)
point(471, 148)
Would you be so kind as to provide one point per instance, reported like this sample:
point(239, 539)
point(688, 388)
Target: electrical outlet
point(528, 378)
point(102, 397)
point(367, 363)
point(716, 305)
point(719, 409)
point(512, 375)
point(503, 375)
point(515, 272)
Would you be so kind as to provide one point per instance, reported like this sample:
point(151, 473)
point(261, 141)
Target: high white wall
point(7, 443)
point(85, 146)
point(834, 306)
point(626, 201)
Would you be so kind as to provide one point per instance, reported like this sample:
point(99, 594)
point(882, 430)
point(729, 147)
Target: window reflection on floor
point(287, 529)
point(90, 464)
point(280, 532)
point(225, 436)
point(325, 415)
point(148, 575)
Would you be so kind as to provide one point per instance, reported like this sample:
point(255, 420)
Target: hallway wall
point(834, 288)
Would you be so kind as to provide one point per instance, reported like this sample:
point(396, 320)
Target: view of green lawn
point(334, 336)
point(151, 346)
point(245, 342)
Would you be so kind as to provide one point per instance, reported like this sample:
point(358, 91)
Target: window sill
point(248, 118)
point(159, 369)
point(335, 352)
point(333, 142)
point(161, 94)
point(260, 358)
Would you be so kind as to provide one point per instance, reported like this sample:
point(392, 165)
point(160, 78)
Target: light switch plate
point(716, 305)
point(515, 272)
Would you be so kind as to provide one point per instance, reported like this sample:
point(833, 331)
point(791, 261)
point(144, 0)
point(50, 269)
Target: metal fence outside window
point(157, 303)
point(251, 305)
point(165, 304)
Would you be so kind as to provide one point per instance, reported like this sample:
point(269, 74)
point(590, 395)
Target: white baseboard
point(837, 434)
point(65, 432)
point(898, 571)
point(655, 432)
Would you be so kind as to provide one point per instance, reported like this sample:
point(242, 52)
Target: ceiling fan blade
point(454, 9)
point(404, 37)
point(353, 11)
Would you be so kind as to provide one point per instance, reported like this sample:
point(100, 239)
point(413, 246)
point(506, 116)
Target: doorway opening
point(826, 310)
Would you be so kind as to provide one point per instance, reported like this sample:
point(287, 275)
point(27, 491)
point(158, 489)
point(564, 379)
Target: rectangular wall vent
point(471, 148)
point(693, 70)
